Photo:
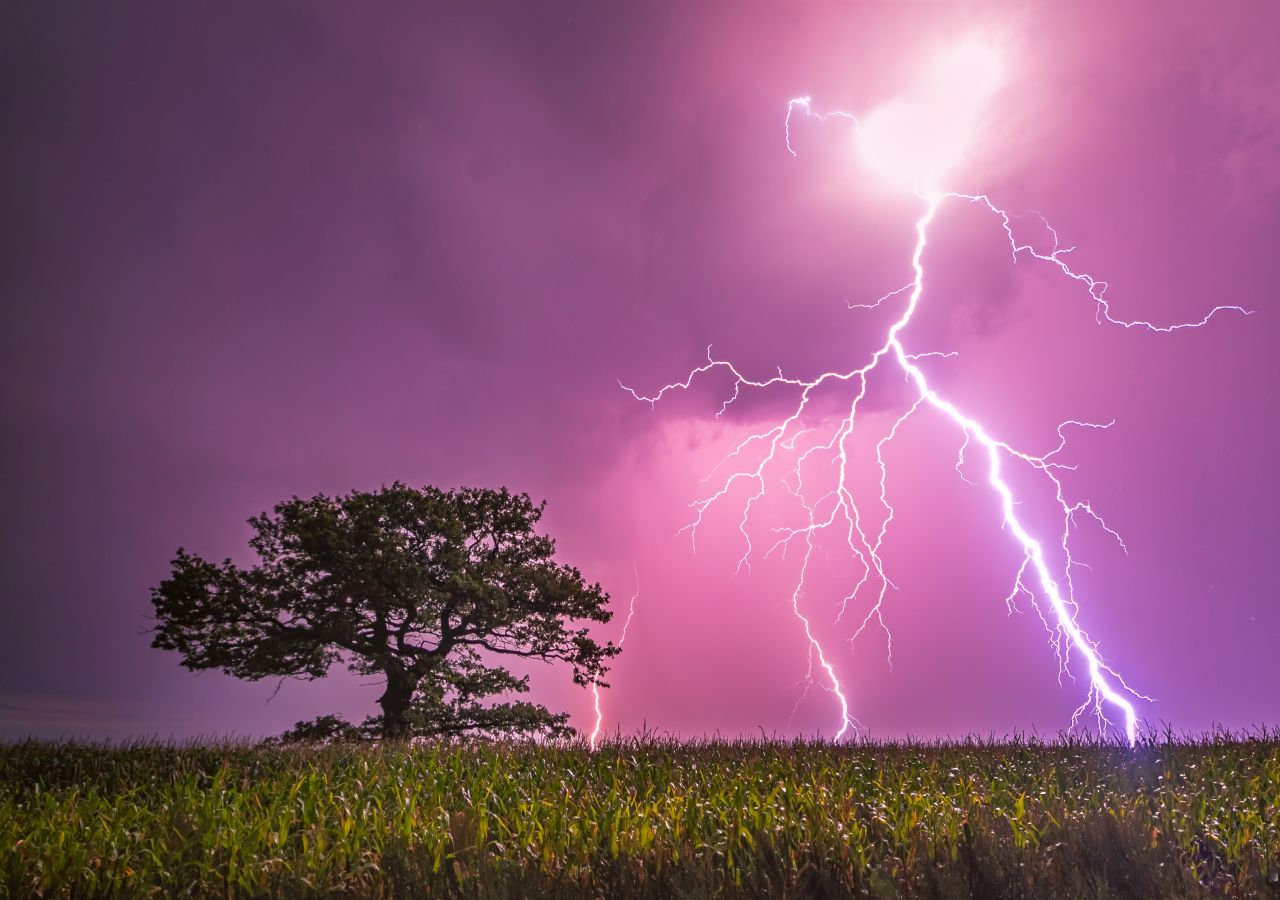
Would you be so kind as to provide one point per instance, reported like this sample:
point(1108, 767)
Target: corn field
point(645, 817)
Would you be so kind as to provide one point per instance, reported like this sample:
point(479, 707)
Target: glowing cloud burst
point(913, 143)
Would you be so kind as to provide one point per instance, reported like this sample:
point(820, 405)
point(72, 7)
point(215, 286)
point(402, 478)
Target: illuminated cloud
point(914, 141)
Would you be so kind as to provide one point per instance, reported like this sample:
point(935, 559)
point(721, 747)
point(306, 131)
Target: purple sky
point(251, 251)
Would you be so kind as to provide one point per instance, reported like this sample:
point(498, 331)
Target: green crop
point(645, 817)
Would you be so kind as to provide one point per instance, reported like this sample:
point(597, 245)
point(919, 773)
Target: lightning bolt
point(780, 457)
point(595, 686)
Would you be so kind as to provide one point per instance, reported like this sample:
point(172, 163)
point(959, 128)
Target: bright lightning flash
point(913, 143)
point(595, 686)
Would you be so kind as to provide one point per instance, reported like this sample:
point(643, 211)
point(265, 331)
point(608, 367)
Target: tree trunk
point(395, 702)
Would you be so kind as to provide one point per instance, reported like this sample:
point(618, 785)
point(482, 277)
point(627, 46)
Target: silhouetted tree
point(326, 729)
point(427, 588)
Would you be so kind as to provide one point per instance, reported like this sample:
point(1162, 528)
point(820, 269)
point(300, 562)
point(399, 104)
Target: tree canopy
point(428, 588)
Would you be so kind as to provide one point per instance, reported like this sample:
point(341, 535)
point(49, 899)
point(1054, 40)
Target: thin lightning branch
point(1097, 289)
point(815, 648)
point(595, 686)
point(774, 455)
point(888, 296)
point(805, 103)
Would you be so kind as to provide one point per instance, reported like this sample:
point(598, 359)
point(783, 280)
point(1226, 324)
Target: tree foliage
point(425, 587)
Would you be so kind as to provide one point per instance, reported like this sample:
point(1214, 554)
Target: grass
point(646, 817)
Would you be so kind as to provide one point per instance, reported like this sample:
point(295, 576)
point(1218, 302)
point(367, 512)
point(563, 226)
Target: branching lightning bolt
point(787, 449)
point(595, 686)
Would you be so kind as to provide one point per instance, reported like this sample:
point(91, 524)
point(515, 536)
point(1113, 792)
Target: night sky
point(257, 250)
